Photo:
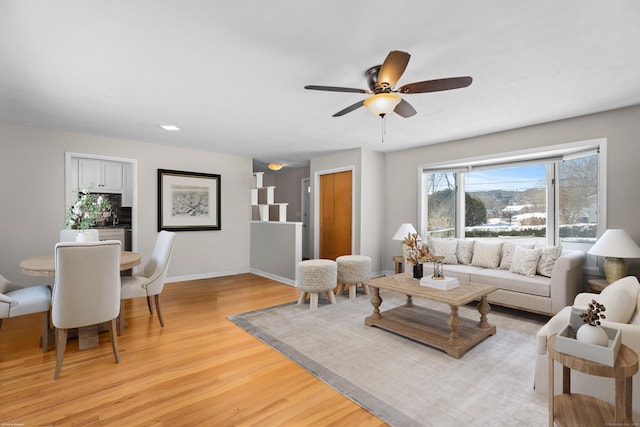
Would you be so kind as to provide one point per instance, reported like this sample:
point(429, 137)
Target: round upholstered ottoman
point(316, 276)
point(352, 271)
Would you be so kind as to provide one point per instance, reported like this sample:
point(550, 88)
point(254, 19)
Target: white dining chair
point(150, 282)
point(18, 300)
point(86, 291)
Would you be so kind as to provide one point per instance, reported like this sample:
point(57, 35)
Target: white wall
point(32, 189)
point(620, 127)
point(32, 200)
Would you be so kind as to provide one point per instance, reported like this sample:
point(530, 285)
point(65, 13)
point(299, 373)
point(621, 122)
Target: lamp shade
point(382, 103)
point(403, 231)
point(615, 243)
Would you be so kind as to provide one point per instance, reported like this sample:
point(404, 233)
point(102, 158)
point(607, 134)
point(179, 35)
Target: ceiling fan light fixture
point(275, 166)
point(382, 103)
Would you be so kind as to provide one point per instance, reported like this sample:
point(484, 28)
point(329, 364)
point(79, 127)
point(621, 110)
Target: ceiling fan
point(381, 80)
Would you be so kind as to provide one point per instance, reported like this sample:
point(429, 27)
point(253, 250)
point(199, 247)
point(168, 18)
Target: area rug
point(403, 382)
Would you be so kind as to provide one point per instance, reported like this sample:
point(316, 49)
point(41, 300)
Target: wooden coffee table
point(446, 331)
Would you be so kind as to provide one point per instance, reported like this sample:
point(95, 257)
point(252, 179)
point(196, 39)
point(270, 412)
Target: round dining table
point(45, 265)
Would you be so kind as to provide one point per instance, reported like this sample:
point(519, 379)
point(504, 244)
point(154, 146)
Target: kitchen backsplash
point(118, 214)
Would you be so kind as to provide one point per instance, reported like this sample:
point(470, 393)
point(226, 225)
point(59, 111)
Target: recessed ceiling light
point(169, 127)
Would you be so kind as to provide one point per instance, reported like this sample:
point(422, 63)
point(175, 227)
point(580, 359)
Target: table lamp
point(404, 231)
point(614, 245)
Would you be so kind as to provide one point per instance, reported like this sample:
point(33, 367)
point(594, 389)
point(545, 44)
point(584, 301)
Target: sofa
point(531, 277)
point(622, 302)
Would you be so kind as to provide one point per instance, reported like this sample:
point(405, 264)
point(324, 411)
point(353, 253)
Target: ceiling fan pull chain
point(384, 127)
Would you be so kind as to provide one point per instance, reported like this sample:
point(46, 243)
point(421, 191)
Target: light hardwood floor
point(200, 369)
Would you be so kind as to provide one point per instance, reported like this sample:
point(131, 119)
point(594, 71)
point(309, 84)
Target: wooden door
point(335, 214)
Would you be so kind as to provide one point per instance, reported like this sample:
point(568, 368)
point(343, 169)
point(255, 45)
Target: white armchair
point(16, 300)
point(622, 302)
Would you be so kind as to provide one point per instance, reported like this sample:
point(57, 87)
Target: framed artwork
point(188, 201)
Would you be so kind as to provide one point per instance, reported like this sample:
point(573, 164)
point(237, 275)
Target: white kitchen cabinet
point(104, 176)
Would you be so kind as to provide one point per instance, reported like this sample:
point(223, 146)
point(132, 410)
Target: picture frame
point(188, 201)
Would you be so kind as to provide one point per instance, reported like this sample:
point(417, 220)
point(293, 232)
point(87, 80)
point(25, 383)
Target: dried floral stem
point(595, 312)
point(417, 252)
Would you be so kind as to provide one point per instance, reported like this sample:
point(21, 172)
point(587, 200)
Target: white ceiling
point(231, 73)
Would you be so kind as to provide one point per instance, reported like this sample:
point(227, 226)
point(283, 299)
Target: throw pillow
point(465, 251)
point(444, 247)
point(486, 254)
point(525, 261)
point(507, 253)
point(619, 299)
point(548, 259)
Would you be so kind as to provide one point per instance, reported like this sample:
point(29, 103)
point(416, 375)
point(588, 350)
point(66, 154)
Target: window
point(441, 208)
point(578, 201)
point(509, 201)
point(548, 198)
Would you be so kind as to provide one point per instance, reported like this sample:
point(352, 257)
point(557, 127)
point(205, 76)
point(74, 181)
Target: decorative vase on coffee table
point(417, 271)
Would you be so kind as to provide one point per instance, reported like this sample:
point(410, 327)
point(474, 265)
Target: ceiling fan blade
point(436, 85)
point(349, 109)
point(405, 109)
point(393, 67)
point(336, 89)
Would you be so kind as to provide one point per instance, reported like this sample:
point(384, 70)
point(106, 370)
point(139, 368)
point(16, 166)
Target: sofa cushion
point(464, 252)
point(486, 254)
point(507, 253)
point(548, 258)
point(620, 299)
point(444, 247)
point(459, 271)
point(503, 279)
point(525, 261)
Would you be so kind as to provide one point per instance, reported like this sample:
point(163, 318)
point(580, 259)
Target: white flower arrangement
point(84, 212)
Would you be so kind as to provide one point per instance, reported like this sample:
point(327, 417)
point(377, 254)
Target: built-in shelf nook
point(264, 208)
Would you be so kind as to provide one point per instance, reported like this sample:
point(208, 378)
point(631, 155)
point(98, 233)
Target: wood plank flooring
point(200, 369)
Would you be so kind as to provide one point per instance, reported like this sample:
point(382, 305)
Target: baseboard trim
point(209, 275)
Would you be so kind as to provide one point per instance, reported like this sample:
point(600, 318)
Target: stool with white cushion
point(316, 276)
point(353, 270)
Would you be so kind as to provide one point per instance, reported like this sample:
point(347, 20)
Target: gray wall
point(372, 208)
point(621, 128)
point(32, 194)
point(343, 160)
point(368, 200)
point(276, 249)
point(288, 189)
